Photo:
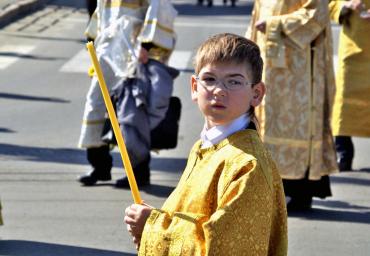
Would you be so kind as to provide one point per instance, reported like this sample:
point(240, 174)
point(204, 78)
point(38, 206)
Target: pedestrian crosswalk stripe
point(9, 54)
point(78, 63)
point(81, 61)
point(180, 59)
point(210, 25)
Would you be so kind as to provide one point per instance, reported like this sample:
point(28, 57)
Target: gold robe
point(299, 76)
point(229, 201)
point(351, 113)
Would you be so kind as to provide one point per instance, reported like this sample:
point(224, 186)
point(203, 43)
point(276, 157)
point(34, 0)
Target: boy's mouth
point(218, 106)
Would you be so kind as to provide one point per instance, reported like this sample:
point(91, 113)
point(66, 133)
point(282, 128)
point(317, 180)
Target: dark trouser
point(305, 188)
point(142, 170)
point(102, 162)
point(301, 191)
point(91, 6)
point(345, 151)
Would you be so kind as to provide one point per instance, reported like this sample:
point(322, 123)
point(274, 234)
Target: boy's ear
point(259, 91)
point(194, 88)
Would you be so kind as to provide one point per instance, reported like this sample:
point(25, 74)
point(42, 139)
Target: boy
point(230, 199)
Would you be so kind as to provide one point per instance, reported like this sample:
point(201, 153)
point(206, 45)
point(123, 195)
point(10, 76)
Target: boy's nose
point(220, 90)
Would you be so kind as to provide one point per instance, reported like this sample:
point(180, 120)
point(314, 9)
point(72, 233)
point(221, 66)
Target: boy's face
point(219, 105)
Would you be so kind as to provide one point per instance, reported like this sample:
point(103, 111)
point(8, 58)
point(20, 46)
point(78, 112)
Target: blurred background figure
point(121, 30)
point(232, 2)
point(209, 3)
point(295, 37)
point(351, 113)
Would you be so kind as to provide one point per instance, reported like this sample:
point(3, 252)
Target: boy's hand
point(135, 218)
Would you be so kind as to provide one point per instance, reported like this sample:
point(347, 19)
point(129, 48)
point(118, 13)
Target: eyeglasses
point(231, 83)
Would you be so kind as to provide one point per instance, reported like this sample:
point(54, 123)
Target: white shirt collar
point(219, 132)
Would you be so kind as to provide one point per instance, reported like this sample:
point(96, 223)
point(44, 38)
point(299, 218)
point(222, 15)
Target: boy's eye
point(208, 80)
point(233, 83)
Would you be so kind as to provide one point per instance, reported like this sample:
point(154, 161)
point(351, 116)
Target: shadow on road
point(153, 189)
point(350, 180)
point(242, 8)
point(48, 38)
point(166, 164)
point(6, 130)
point(333, 215)
point(28, 56)
point(31, 248)
point(78, 156)
point(364, 170)
point(40, 154)
point(193, 10)
point(73, 4)
point(340, 205)
point(12, 96)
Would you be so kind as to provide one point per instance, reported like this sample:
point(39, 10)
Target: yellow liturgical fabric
point(299, 77)
point(351, 113)
point(229, 201)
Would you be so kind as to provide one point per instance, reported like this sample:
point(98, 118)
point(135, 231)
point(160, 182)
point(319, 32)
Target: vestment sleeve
point(158, 27)
point(251, 31)
point(301, 26)
point(241, 224)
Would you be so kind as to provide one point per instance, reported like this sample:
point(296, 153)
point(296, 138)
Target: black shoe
point(210, 4)
point(123, 182)
point(91, 178)
point(299, 204)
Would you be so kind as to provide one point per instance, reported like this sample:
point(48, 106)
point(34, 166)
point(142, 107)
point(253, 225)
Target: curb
point(17, 10)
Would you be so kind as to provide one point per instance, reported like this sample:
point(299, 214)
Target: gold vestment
point(351, 113)
point(229, 201)
point(299, 77)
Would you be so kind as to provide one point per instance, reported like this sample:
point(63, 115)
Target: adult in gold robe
point(296, 44)
point(351, 113)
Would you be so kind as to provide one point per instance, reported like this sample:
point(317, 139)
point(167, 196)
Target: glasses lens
point(208, 81)
point(234, 84)
point(229, 83)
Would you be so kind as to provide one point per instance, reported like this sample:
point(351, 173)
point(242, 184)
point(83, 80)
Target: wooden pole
point(115, 125)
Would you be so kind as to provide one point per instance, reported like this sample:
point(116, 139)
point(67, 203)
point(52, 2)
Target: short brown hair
point(229, 47)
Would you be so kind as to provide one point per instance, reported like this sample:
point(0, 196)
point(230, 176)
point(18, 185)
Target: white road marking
point(180, 59)
point(81, 61)
point(9, 54)
point(210, 25)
